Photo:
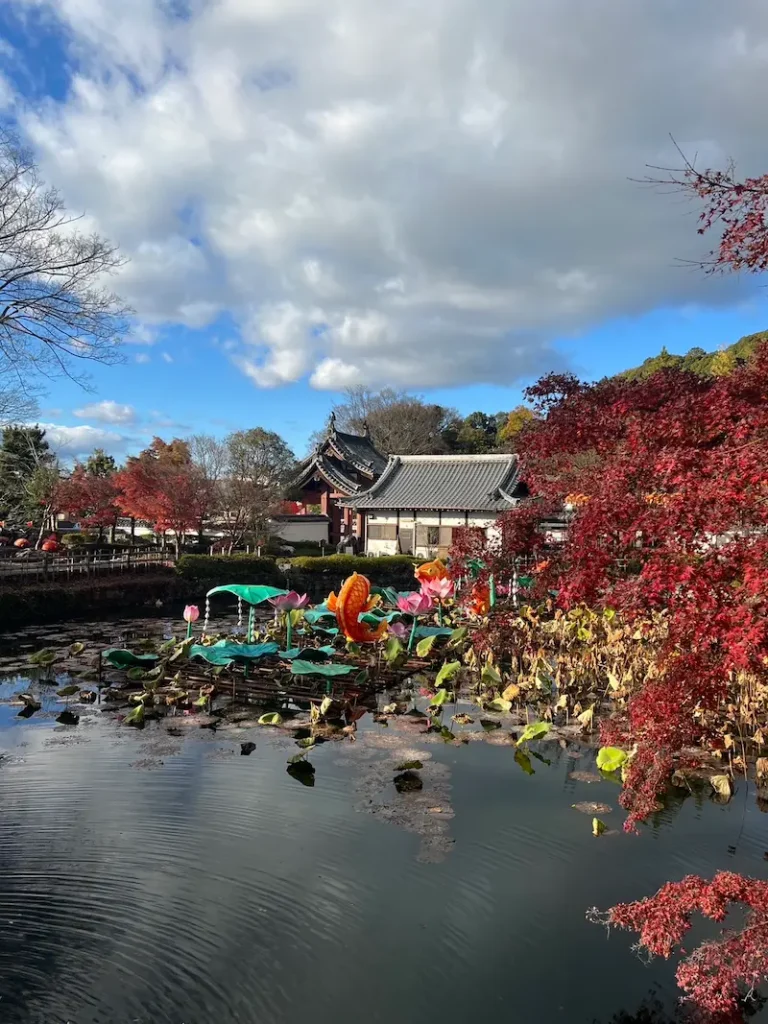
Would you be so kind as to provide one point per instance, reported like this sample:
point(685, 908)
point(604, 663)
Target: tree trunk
point(133, 531)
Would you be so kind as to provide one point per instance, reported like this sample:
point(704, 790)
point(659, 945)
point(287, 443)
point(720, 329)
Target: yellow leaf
point(613, 681)
point(761, 766)
point(585, 718)
point(722, 785)
point(759, 738)
point(512, 692)
point(728, 741)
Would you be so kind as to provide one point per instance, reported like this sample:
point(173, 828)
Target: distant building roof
point(300, 517)
point(347, 462)
point(451, 483)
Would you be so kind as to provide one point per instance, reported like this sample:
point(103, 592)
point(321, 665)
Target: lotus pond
point(266, 845)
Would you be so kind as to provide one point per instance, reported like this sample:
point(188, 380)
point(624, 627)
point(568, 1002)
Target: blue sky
point(320, 194)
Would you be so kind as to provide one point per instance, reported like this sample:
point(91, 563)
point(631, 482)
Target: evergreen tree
point(24, 452)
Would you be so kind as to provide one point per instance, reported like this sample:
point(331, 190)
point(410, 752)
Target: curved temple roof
point(340, 459)
point(456, 483)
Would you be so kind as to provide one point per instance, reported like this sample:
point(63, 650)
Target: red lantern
point(51, 545)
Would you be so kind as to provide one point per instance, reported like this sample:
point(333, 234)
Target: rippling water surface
point(147, 878)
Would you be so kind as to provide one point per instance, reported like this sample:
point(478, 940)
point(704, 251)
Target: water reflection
point(653, 1011)
point(163, 878)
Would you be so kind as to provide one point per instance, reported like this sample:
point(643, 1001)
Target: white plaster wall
point(412, 520)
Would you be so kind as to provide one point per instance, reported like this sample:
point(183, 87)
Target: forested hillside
point(698, 361)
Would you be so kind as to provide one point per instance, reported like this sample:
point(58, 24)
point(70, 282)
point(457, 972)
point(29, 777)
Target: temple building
point(419, 500)
point(341, 466)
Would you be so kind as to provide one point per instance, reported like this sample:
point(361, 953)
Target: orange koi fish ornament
point(480, 599)
point(436, 570)
point(354, 599)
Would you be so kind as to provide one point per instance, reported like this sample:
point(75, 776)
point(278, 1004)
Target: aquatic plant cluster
point(364, 637)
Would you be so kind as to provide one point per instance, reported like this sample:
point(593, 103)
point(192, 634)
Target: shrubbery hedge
point(215, 570)
point(305, 572)
point(348, 564)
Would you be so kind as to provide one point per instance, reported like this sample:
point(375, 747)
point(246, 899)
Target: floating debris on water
point(587, 777)
point(592, 807)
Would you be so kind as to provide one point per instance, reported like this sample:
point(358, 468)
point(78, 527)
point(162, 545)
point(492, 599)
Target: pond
point(161, 877)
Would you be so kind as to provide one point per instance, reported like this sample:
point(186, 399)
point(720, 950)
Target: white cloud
point(78, 442)
point(167, 357)
point(142, 334)
point(107, 412)
point(142, 357)
point(400, 193)
point(7, 95)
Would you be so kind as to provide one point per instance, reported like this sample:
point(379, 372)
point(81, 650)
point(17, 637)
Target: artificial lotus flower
point(398, 629)
point(353, 601)
point(439, 589)
point(191, 613)
point(289, 602)
point(435, 570)
point(417, 603)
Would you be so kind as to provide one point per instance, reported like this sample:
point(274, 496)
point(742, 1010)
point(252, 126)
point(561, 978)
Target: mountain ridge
point(697, 360)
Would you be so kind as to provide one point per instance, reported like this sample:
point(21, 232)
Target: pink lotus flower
point(290, 601)
point(191, 613)
point(440, 590)
point(417, 603)
point(398, 629)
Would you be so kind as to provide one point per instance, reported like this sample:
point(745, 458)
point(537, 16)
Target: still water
point(151, 878)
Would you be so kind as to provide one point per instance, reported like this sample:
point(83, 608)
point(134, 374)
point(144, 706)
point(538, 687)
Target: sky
point(440, 196)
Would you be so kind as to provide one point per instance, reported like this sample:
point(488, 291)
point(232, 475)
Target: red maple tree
point(90, 500)
point(665, 490)
point(667, 495)
point(719, 973)
point(165, 488)
point(736, 207)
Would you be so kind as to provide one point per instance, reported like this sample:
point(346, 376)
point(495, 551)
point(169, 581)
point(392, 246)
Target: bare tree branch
point(55, 310)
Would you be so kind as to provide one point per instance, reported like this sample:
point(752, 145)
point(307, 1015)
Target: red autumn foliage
point(163, 487)
point(91, 501)
point(736, 207)
point(719, 973)
point(666, 487)
point(668, 490)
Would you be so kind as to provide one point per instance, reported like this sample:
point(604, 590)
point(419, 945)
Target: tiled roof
point(360, 451)
point(340, 458)
point(458, 483)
